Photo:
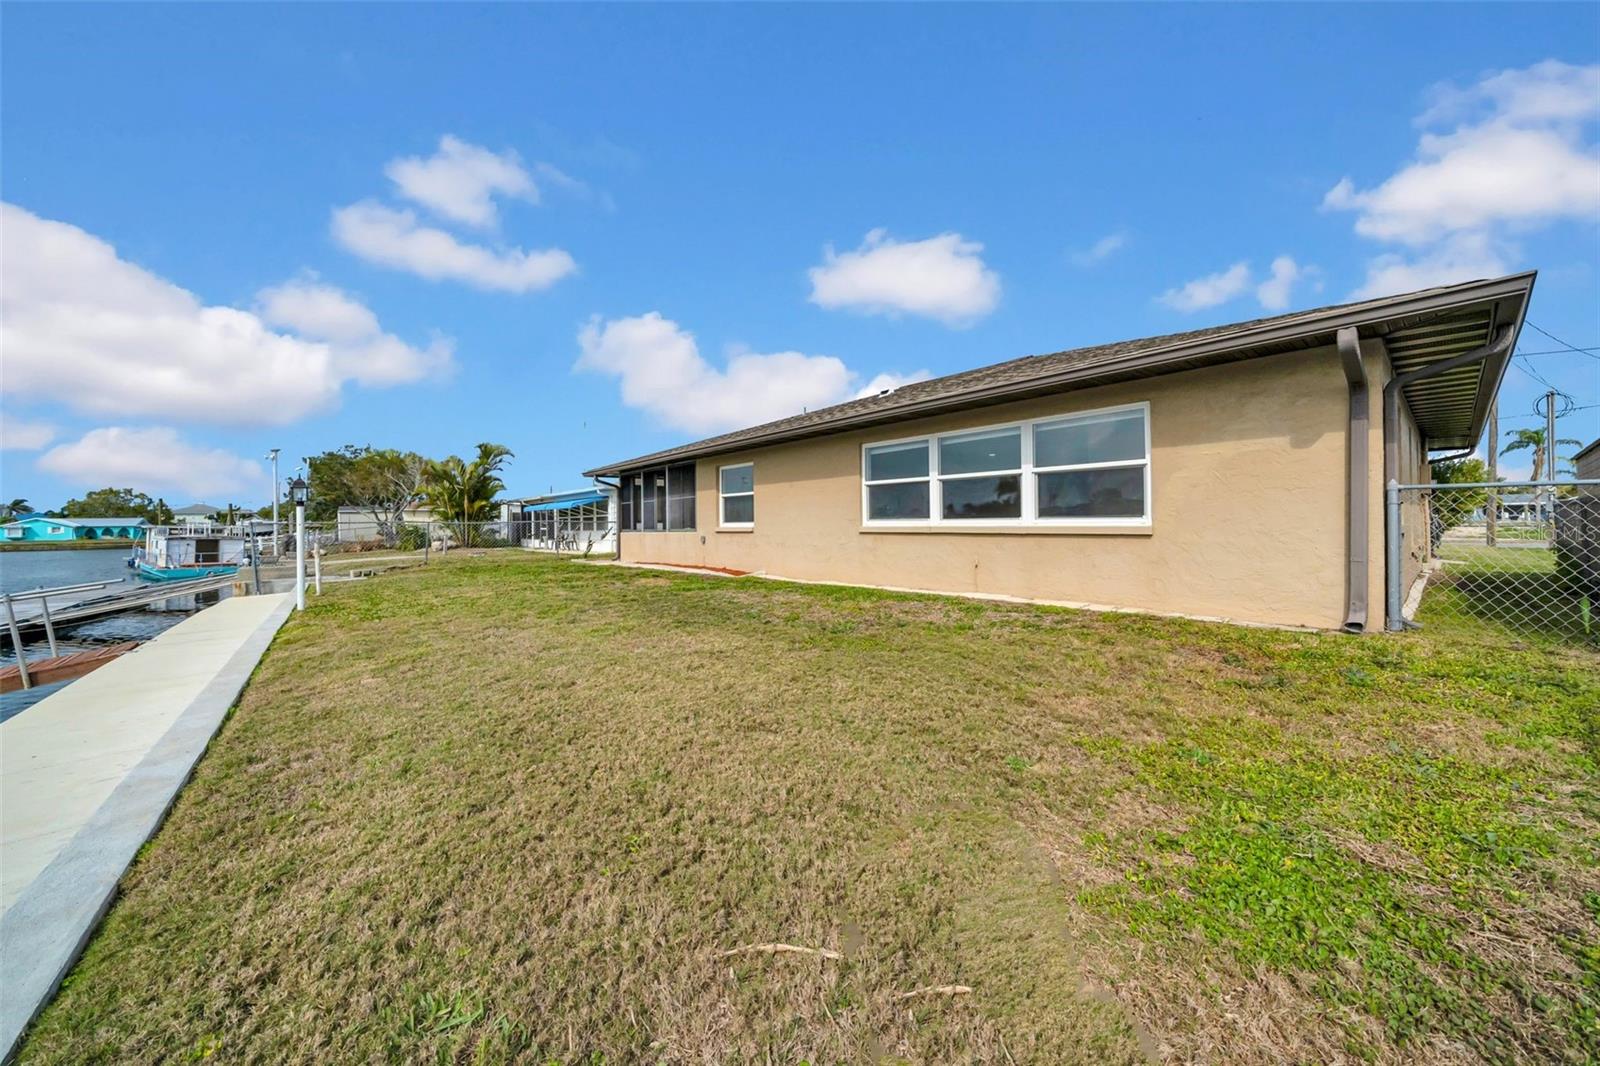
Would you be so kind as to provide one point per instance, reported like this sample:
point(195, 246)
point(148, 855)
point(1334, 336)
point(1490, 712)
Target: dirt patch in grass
point(515, 809)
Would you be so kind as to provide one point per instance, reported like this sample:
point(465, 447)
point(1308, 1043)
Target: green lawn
point(514, 808)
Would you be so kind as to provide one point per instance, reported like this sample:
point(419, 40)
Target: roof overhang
point(1416, 329)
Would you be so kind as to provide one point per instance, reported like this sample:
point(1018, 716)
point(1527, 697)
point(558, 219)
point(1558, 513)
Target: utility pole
point(1550, 455)
point(1492, 505)
point(276, 492)
point(1550, 435)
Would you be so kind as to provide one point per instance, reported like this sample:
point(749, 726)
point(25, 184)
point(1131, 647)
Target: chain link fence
point(1515, 557)
point(577, 535)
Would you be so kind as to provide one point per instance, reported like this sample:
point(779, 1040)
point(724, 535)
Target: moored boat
point(182, 553)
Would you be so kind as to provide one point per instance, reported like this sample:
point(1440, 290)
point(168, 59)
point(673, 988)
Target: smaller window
point(736, 488)
point(897, 482)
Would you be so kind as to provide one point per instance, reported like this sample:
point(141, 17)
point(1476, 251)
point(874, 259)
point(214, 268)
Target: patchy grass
point(513, 808)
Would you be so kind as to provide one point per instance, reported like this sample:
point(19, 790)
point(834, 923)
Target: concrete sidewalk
point(87, 774)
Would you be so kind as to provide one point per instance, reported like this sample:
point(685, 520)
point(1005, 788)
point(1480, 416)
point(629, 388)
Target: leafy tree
point(462, 491)
point(1455, 507)
point(1523, 439)
point(382, 482)
point(118, 503)
point(15, 509)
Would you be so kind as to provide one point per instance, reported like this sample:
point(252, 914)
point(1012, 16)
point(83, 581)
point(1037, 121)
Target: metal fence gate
point(1513, 557)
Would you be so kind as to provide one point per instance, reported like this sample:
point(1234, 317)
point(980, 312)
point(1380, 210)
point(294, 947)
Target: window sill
point(1025, 531)
point(736, 529)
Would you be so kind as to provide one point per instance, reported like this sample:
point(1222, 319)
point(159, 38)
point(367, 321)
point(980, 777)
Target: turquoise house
point(42, 527)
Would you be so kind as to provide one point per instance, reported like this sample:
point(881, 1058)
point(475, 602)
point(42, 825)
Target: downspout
point(1356, 508)
point(1391, 459)
point(617, 551)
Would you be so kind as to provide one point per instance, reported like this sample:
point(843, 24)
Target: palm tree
point(15, 509)
point(462, 492)
point(1534, 439)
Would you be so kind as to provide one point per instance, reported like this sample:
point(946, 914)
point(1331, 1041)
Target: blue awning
point(568, 503)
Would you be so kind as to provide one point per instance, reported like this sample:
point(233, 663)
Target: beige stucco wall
point(1247, 484)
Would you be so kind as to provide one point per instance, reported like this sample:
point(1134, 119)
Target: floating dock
point(66, 609)
point(62, 667)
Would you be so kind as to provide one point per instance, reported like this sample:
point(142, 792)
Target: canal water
point(27, 570)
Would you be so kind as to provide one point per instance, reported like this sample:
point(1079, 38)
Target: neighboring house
point(41, 527)
point(579, 520)
point(1586, 464)
point(1235, 472)
point(359, 523)
point(196, 514)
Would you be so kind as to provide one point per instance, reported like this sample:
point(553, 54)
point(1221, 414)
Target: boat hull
point(184, 573)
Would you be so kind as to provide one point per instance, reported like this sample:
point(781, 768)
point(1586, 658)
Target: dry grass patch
point(517, 809)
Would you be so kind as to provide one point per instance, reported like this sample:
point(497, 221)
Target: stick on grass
point(937, 990)
point(779, 949)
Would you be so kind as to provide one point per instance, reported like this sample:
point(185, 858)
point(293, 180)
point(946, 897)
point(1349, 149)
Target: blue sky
point(589, 232)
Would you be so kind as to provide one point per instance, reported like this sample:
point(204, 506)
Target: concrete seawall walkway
point(87, 774)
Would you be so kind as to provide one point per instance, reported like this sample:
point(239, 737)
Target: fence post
point(1391, 558)
point(16, 645)
point(316, 561)
point(49, 626)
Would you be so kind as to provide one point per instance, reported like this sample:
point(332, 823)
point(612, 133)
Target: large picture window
point(736, 491)
point(1083, 469)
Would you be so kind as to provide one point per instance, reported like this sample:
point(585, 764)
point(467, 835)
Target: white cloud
point(394, 238)
point(1475, 177)
point(1464, 257)
point(80, 325)
point(153, 459)
point(943, 278)
point(662, 371)
point(1518, 154)
point(1274, 293)
point(460, 180)
point(1209, 291)
point(24, 435)
point(1548, 91)
point(362, 352)
point(1106, 246)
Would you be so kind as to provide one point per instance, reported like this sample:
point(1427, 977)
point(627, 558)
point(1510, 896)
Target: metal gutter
point(1356, 479)
point(1153, 361)
point(1495, 349)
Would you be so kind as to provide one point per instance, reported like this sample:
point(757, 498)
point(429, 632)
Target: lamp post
point(273, 455)
point(297, 493)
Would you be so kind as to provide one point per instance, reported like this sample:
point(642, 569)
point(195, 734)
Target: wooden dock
point(63, 667)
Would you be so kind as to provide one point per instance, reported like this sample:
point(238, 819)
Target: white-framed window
point(57, 529)
point(1090, 468)
point(736, 496)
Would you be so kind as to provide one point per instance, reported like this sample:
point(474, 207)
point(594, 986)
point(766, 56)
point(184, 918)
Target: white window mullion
point(1029, 488)
point(935, 483)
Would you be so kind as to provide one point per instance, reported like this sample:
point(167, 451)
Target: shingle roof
point(1099, 364)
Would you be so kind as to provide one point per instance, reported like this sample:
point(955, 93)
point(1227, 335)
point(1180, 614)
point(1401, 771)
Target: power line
point(1565, 351)
point(1527, 369)
point(1564, 344)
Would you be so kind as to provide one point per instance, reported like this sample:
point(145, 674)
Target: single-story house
point(42, 527)
point(578, 520)
point(359, 523)
point(196, 514)
point(1236, 472)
